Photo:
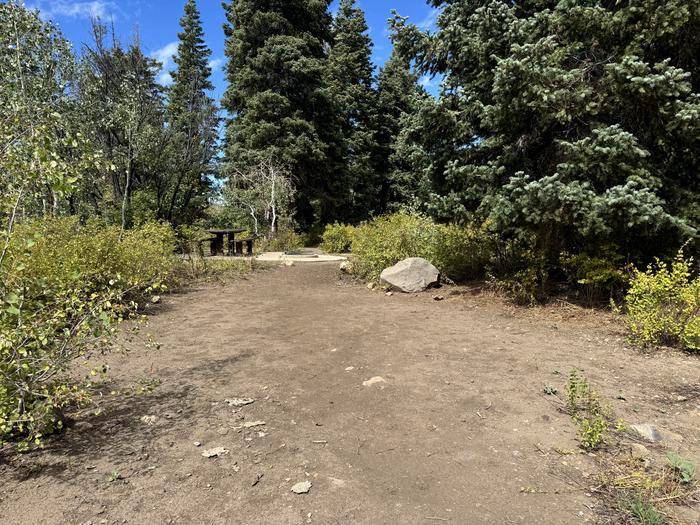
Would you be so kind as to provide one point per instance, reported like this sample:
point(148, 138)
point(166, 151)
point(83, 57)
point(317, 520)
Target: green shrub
point(601, 277)
point(526, 286)
point(463, 252)
point(387, 240)
point(459, 252)
point(63, 290)
point(337, 238)
point(285, 240)
point(663, 304)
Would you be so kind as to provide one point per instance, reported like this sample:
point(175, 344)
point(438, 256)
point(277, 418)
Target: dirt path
point(457, 429)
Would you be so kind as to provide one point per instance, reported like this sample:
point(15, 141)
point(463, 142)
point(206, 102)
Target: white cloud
point(164, 55)
point(73, 9)
point(216, 64)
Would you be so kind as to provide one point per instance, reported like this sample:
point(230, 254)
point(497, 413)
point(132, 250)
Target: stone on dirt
point(647, 432)
point(374, 381)
point(302, 487)
point(239, 401)
point(252, 424)
point(411, 275)
point(639, 452)
point(214, 452)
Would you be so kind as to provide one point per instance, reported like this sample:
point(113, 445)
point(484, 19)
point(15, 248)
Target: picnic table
point(217, 241)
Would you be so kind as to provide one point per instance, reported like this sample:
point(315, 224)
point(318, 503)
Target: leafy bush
point(285, 240)
point(337, 238)
point(63, 290)
point(663, 304)
point(458, 252)
point(597, 276)
point(463, 252)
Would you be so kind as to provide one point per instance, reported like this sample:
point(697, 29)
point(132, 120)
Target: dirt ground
point(459, 429)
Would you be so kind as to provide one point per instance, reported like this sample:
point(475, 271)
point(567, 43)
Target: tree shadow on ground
point(118, 433)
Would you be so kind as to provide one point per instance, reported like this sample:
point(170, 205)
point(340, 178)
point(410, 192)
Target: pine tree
point(349, 80)
point(399, 98)
point(277, 108)
point(192, 116)
point(570, 122)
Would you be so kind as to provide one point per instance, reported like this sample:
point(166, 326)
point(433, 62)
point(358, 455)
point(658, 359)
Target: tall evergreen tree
point(277, 109)
point(569, 121)
point(399, 98)
point(192, 117)
point(349, 80)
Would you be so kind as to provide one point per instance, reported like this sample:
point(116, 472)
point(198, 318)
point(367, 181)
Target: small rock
point(647, 432)
point(239, 401)
point(371, 286)
point(252, 424)
point(197, 444)
point(302, 487)
point(214, 452)
point(389, 294)
point(374, 381)
point(639, 452)
point(350, 369)
point(149, 420)
point(438, 298)
point(346, 267)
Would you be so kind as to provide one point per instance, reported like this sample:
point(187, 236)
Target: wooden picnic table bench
point(235, 246)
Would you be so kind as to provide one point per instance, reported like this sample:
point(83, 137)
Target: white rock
point(239, 401)
point(302, 487)
point(374, 381)
point(214, 452)
point(411, 275)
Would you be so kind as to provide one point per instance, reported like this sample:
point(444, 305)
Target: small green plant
point(684, 468)
point(337, 238)
point(642, 510)
point(550, 390)
point(591, 415)
point(663, 304)
point(115, 476)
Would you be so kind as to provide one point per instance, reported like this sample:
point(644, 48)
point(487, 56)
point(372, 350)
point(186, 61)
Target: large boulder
point(411, 275)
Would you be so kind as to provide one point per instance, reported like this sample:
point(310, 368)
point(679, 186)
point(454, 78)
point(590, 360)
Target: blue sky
point(156, 22)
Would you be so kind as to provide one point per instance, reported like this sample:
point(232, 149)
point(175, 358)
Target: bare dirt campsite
point(321, 401)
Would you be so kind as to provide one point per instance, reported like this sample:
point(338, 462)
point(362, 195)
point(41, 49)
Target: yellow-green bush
point(337, 238)
point(463, 252)
point(663, 304)
point(459, 252)
point(601, 277)
point(285, 240)
point(63, 289)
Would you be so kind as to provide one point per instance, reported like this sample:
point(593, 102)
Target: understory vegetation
point(66, 288)
point(633, 488)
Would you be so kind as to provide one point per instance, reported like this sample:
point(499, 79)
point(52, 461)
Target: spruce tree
point(192, 117)
point(276, 106)
point(399, 98)
point(571, 122)
point(349, 80)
